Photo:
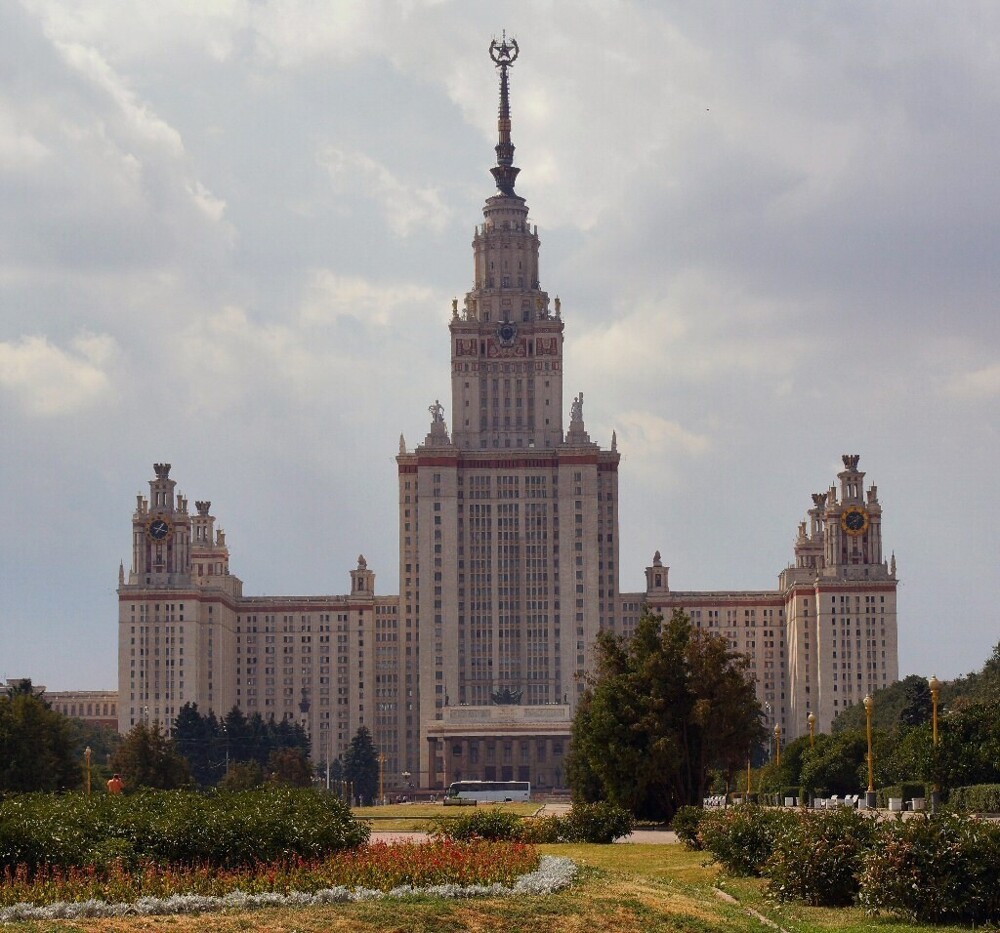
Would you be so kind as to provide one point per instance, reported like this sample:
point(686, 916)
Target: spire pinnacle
point(504, 54)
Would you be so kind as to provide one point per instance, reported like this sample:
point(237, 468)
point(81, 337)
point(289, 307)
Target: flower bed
point(437, 869)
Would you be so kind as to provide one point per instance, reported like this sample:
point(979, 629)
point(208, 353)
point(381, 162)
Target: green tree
point(36, 747)
point(24, 687)
point(969, 746)
point(290, 766)
point(977, 687)
point(774, 777)
point(201, 741)
point(834, 765)
point(336, 770)
point(148, 758)
point(100, 739)
point(917, 708)
point(361, 765)
point(242, 775)
point(662, 710)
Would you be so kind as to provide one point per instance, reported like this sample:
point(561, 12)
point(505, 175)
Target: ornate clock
point(158, 528)
point(507, 333)
point(855, 520)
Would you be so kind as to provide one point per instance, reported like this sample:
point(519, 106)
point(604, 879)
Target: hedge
point(601, 823)
point(906, 791)
point(977, 798)
point(934, 870)
point(817, 859)
point(223, 829)
point(743, 838)
point(930, 868)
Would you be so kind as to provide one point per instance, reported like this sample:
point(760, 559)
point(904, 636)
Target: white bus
point(491, 791)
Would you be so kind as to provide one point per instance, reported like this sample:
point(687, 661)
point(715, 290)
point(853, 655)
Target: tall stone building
point(508, 568)
point(508, 534)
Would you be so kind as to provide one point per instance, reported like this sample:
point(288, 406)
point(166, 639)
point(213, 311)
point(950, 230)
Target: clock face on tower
point(158, 528)
point(507, 333)
point(855, 520)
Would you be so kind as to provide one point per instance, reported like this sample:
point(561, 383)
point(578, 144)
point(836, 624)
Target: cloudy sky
point(231, 231)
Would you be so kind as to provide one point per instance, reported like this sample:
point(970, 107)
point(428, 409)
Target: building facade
point(97, 707)
point(508, 569)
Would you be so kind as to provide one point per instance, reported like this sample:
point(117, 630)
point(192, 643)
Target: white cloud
point(294, 32)
point(19, 148)
point(279, 370)
point(48, 380)
point(407, 209)
point(772, 241)
point(92, 175)
point(694, 331)
point(330, 296)
point(657, 449)
point(978, 384)
point(145, 124)
point(659, 437)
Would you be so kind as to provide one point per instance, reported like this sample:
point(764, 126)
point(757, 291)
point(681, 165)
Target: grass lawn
point(622, 888)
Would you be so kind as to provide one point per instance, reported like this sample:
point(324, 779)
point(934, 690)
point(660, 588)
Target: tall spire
point(504, 53)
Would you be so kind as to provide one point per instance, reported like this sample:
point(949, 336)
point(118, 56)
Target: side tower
point(508, 524)
point(840, 604)
point(161, 534)
point(176, 611)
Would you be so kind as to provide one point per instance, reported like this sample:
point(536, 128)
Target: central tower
point(506, 318)
point(508, 524)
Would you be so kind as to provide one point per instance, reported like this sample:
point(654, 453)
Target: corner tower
point(840, 604)
point(161, 534)
point(508, 525)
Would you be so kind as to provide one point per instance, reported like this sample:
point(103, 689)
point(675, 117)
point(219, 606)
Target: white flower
point(553, 873)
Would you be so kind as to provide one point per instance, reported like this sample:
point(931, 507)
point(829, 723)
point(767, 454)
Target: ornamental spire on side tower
point(504, 54)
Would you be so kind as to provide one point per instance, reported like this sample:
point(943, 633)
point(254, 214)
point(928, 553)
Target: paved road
point(653, 836)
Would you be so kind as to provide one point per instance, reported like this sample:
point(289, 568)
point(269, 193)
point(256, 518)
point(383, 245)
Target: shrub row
point(588, 822)
point(979, 798)
point(934, 869)
point(743, 838)
point(686, 823)
point(223, 829)
point(905, 791)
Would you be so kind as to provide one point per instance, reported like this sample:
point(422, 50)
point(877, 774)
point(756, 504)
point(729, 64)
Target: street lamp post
point(406, 782)
point(935, 686)
point(86, 754)
point(777, 743)
point(811, 719)
point(870, 799)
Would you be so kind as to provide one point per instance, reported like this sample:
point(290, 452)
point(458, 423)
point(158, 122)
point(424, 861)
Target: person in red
point(116, 785)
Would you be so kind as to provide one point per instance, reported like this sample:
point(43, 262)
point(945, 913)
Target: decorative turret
point(809, 543)
point(577, 435)
point(656, 578)
point(438, 436)
point(362, 579)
